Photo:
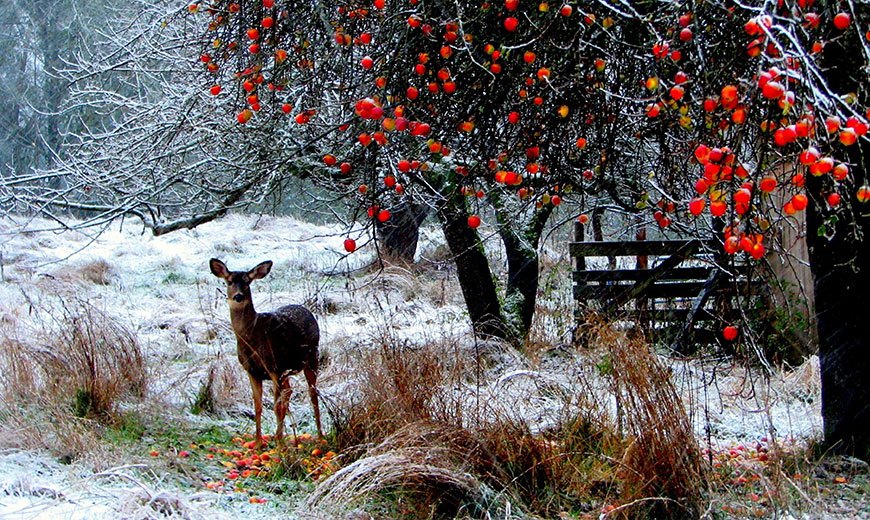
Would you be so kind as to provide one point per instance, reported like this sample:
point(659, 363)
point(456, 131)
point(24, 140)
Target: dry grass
point(662, 470)
point(99, 272)
point(398, 385)
point(411, 431)
point(219, 389)
point(69, 364)
point(424, 470)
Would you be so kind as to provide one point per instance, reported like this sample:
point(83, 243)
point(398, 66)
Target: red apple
point(842, 21)
point(809, 156)
point(730, 332)
point(767, 184)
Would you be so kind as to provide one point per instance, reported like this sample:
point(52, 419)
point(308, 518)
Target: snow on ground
point(161, 288)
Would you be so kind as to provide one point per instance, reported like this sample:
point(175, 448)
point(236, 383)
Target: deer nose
point(239, 298)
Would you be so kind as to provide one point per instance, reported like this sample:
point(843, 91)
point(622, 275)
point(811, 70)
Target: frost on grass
point(160, 289)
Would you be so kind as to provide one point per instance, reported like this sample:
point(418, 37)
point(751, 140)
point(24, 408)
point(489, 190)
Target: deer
point(271, 345)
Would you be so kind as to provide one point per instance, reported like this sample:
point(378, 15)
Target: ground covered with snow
point(160, 289)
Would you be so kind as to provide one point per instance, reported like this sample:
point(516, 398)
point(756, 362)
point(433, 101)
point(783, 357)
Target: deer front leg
point(257, 390)
point(311, 377)
point(282, 400)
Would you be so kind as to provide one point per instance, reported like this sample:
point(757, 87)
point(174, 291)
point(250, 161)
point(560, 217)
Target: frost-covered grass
point(160, 289)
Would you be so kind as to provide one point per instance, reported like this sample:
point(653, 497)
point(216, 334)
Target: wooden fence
point(680, 290)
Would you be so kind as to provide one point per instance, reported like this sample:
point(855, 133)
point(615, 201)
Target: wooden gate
point(682, 293)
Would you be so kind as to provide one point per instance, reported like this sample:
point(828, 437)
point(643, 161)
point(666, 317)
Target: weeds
point(76, 354)
point(71, 364)
point(663, 460)
point(408, 428)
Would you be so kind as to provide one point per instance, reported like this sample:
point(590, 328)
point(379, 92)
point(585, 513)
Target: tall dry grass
point(662, 469)
point(398, 384)
point(424, 426)
point(67, 363)
point(437, 416)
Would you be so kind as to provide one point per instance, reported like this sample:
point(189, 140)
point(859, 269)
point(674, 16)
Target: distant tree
point(38, 36)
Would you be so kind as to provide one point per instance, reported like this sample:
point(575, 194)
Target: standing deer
point(271, 345)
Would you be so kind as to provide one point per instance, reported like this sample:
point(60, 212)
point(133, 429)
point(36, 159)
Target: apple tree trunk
point(400, 234)
point(473, 269)
point(839, 252)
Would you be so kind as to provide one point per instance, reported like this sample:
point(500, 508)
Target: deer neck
point(244, 321)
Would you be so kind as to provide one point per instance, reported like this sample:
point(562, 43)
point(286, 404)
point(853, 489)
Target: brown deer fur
point(271, 345)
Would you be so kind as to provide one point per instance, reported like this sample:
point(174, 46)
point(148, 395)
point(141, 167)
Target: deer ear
point(218, 268)
point(261, 270)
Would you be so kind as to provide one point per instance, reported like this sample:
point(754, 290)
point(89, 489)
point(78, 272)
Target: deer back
point(285, 340)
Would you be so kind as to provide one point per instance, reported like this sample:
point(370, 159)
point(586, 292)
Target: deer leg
point(282, 400)
point(257, 390)
point(311, 377)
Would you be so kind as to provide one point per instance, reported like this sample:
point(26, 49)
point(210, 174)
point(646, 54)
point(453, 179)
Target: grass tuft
point(72, 362)
point(662, 469)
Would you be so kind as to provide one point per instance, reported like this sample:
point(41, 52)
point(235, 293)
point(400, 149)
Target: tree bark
point(473, 270)
point(400, 234)
point(841, 274)
point(839, 254)
point(521, 248)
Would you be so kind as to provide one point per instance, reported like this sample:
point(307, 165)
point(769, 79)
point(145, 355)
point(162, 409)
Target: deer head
point(239, 282)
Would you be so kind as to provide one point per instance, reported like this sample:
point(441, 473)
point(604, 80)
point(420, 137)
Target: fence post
point(579, 264)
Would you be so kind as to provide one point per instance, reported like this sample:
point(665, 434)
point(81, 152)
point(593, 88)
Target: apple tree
point(718, 118)
point(458, 107)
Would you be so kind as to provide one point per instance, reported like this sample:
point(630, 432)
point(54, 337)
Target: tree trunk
point(839, 254)
point(521, 248)
point(473, 270)
point(841, 273)
point(400, 234)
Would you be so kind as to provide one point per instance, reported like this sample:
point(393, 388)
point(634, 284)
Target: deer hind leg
point(282, 400)
point(311, 377)
point(257, 390)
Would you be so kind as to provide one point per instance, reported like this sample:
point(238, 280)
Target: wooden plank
point(619, 291)
point(621, 275)
point(648, 284)
point(682, 339)
point(676, 316)
point(633, 248)
point(579, 236)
